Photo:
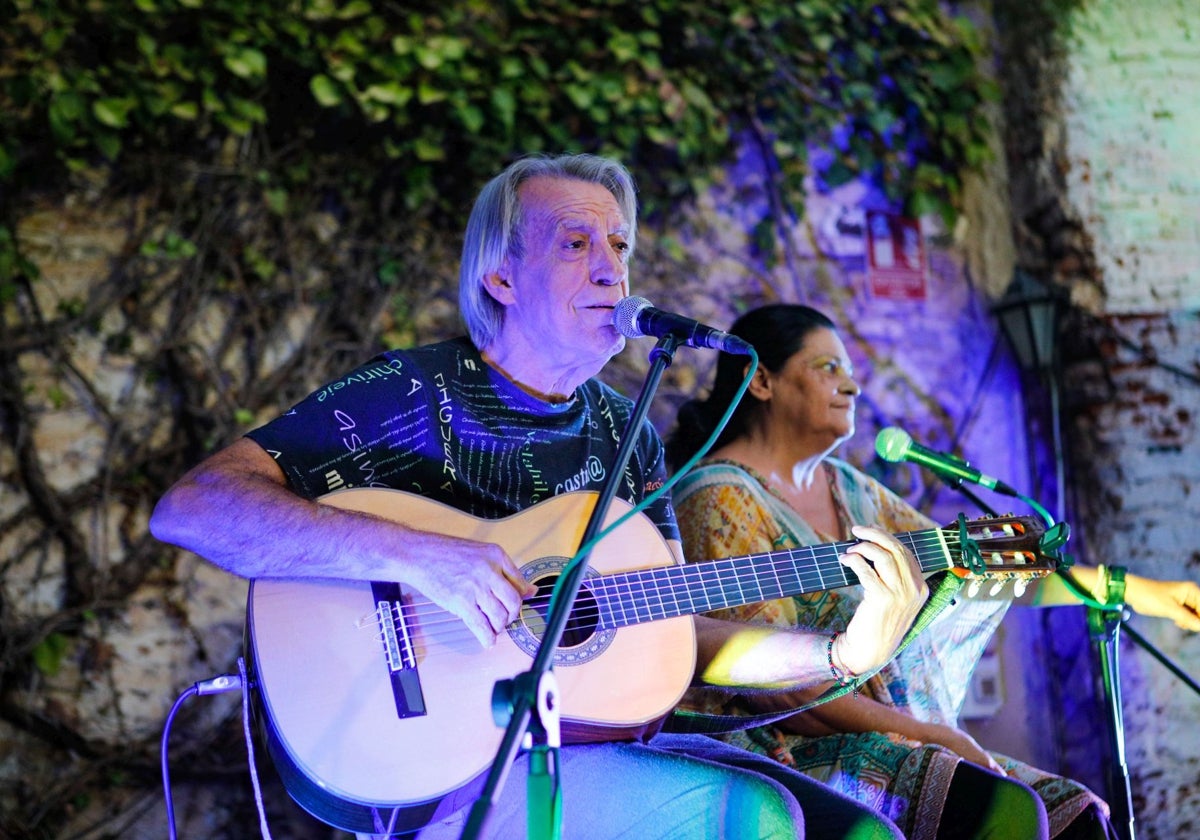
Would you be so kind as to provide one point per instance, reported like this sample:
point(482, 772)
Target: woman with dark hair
point(771, 483)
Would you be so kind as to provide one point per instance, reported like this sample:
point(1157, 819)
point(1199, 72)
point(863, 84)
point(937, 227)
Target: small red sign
point(895, 257)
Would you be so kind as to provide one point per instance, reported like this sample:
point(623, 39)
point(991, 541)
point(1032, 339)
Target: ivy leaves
point(436, 96)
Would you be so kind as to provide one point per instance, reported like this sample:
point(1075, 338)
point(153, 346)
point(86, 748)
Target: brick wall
point(1132, 118)
point(1132, 122)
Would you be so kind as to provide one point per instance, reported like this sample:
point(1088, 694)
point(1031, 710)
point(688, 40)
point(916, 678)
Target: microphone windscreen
point(892, 444)
point(625, 315)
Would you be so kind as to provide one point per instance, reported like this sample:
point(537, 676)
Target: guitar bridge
point(399, 654)
point(394, 630)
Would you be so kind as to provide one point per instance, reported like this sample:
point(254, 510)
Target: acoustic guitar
point(376, 704)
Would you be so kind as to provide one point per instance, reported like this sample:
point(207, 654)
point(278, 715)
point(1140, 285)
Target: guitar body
point(366, 750)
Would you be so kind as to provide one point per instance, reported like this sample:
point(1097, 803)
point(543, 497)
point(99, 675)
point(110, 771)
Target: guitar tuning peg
point(996, 587)
point(1019, 586)
point(973, 587)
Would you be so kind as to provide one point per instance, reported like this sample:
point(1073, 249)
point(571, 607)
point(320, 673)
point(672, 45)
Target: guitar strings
point(626, 582)
point(640, 587)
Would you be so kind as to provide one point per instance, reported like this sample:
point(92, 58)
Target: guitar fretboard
point(633, 597)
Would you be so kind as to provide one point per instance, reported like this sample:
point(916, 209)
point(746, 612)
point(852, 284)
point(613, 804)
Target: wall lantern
point(1029, 313)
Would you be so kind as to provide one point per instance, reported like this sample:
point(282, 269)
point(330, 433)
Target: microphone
point(635, 317)
point(895, 445)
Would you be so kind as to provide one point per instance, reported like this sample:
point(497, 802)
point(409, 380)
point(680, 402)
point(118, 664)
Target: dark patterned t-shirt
point(440, 422)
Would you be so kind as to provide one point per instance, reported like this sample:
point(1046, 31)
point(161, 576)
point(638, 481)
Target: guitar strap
point(685, 720)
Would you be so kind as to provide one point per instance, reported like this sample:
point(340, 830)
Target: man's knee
point(985, 806)
point(872, 827)
point(1017, 812)
point(758, 808)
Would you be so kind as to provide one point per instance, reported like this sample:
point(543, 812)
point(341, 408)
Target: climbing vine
point(430, 97)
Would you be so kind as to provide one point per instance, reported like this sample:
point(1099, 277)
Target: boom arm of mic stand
point(529, 690)
point(1145, 644)
point(960, 486)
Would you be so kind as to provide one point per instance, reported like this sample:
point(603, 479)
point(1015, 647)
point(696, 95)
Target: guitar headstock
point(1000, 549)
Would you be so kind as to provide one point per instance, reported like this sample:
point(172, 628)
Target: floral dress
point(726, 510)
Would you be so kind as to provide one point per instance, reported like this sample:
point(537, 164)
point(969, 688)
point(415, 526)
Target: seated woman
point(769, 484)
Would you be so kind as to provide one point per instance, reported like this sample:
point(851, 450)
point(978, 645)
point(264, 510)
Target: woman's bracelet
point(842, 675)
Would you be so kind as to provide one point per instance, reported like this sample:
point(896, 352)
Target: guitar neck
point(634, 597)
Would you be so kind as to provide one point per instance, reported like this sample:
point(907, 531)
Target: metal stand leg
point(1104, 626)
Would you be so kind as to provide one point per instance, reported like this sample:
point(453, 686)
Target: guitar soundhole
point(581, 624)
point(584, 637)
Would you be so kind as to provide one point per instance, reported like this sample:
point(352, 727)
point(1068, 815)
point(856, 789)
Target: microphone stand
point(1104, 625)
point(1103, 629)
point(529, 702)
point(1104, 622)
